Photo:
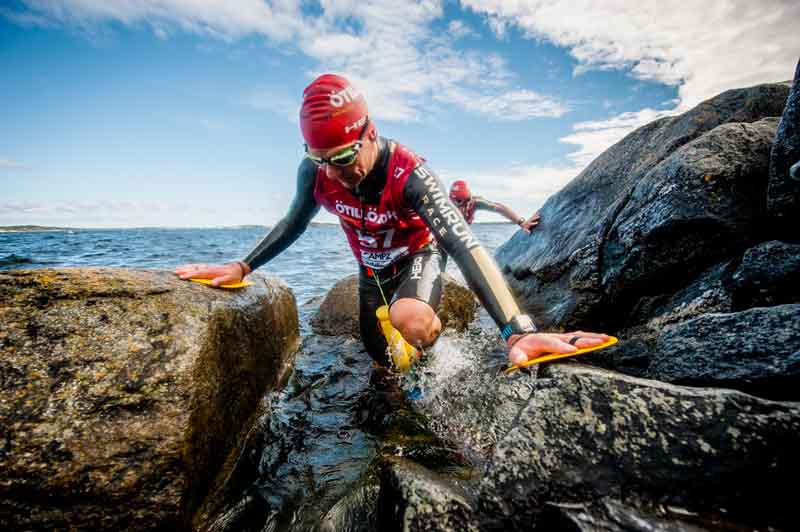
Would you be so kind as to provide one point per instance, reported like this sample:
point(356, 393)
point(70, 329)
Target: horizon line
point(35, 227)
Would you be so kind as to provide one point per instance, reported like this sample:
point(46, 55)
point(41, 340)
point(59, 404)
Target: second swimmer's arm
point(426, 195)
point(499, 208)
point(303, 208)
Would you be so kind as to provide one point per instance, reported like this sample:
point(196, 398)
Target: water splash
point(464, 395)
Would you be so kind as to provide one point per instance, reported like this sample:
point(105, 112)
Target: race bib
point(379, 259)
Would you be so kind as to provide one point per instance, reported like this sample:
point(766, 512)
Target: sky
point(183, 113)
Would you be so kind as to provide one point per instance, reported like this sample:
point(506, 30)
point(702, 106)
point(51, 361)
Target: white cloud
point(509, 106)
point(498, 26)
point(12, 165)
point(25, 19)
point(703, 48)
point(595, 137)
point(100, 213)
point(333, 46)
point(161, 32)
point(460, 30)
point(389, 49)
point(524, 188)
point(227, 20)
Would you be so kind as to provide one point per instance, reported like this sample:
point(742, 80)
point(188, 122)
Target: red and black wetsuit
point(397, 221)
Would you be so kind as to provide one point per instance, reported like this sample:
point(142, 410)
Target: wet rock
point(123, 392)
point(753, 350)
point(303, 452)
point(475, 410)
point(458, 306)
point(783, 195)
point(338, 313)
point(701, 334)
point(355, 512)
point(413, 498)
point(611, 515)
point(693, 209)
point(590, 435)
point(769, 274)
point(666, 240)
point(709, 292)
point(650, 213)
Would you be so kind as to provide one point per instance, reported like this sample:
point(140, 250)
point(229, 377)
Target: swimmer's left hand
point(529, 346)
point(230, 273)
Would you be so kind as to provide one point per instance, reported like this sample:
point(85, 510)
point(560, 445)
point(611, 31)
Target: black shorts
point(417, 276)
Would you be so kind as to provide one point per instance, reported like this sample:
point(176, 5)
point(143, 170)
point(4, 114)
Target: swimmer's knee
point(416, 321)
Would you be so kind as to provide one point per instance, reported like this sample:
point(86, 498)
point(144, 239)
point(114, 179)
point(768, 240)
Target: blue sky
point(184, 112)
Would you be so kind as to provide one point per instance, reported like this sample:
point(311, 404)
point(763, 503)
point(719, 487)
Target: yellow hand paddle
point(240, 284)
point(555, 356)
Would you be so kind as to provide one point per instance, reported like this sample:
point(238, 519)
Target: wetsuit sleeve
point(303, 208)
point(499, 208)
point(482, 204)
point(425, 194)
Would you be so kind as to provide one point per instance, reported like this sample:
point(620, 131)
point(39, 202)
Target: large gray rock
point(589, 435)
point(123, 392)
point(664, 240)
point(714, 331)
point(650, 213)
point(783, 196)
point(691, 210)
point(338, 312)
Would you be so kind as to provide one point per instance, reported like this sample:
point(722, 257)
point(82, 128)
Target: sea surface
point(310, 266)
point(314, 467)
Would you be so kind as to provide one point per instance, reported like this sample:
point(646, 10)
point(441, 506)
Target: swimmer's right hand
point(229, 273)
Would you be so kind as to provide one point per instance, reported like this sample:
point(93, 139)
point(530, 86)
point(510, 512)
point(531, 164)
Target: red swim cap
point(333, 112)
point(460, 191)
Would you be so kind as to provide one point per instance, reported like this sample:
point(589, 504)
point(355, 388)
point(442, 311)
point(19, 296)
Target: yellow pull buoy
point(401, 352)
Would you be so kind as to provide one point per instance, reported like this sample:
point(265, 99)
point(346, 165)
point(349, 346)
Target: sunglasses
point(344, 157)
point(461, 202)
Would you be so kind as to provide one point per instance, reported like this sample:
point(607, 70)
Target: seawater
point(310, 266)
point(313, 467)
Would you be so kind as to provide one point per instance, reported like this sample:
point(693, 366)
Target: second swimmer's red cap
point(333, 112)
point(460, 191)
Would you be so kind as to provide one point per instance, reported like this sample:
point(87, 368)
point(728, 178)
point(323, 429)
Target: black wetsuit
point(417, 275)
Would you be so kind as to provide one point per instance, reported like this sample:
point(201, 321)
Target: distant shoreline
point(48, 229)
point(32, 229)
